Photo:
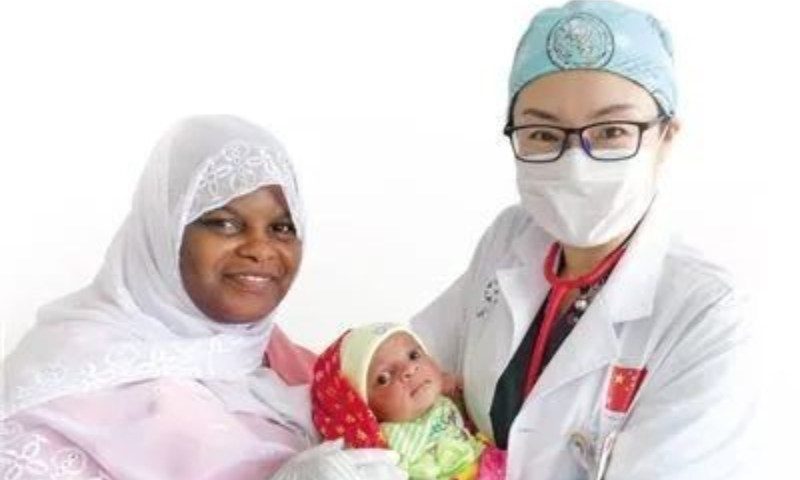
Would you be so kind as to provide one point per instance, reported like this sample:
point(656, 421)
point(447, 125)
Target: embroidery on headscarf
point(238, 167)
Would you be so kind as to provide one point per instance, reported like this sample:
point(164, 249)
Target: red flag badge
point(622, 388)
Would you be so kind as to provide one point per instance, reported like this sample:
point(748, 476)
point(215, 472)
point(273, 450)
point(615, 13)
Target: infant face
point(403, 381)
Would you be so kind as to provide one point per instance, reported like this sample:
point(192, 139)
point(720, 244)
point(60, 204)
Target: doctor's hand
point(331, 461)
point(453, 386)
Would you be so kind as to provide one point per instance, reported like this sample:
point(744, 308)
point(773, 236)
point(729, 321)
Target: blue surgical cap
point(598, 35)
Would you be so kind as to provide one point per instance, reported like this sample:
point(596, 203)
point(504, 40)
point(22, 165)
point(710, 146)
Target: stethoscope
point(558, 294)
point(593, 454)
point(594, 462)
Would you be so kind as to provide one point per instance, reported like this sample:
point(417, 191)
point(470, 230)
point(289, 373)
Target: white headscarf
point(136, 321)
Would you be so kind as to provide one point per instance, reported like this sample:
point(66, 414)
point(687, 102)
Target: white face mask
point(584, 202)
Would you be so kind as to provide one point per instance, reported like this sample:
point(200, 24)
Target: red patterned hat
point(337, 409)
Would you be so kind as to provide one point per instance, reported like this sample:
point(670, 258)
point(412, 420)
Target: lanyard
point(560, 290)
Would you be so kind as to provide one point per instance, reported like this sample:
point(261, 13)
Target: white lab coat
point(664, 307)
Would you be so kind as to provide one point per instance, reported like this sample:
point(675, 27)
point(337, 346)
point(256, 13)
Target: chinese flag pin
point(622, 388)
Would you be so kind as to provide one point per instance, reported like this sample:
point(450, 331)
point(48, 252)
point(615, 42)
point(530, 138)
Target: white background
point(392, 112)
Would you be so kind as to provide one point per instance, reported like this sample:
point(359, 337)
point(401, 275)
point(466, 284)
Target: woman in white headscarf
point(157, 369)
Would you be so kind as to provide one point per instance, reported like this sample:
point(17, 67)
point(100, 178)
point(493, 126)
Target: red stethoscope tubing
point(560, 290)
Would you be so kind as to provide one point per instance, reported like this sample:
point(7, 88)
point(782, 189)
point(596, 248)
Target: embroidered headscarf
point(135, 321)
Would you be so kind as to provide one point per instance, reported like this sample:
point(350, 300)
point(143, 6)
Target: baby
point(376, 386)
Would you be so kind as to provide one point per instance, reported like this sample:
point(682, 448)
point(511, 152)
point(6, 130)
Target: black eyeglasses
point(603, 141)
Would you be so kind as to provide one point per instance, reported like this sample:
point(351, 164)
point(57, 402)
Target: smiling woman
point(168, 343)
point(237, 262)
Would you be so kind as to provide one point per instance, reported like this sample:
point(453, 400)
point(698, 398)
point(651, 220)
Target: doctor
point(592, 342)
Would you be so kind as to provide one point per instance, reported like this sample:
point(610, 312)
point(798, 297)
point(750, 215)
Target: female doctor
point(592, 342)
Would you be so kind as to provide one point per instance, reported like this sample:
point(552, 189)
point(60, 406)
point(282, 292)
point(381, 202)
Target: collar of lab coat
point(628, 295)
point(630, 290)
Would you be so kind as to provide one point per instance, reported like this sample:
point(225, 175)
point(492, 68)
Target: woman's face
point(403, 381)
point(576, 98)
point(237, 262)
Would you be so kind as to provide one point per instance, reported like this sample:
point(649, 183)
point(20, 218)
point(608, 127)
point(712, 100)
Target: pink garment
point(493, 464)
point(292, 362)
point(158, 429)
